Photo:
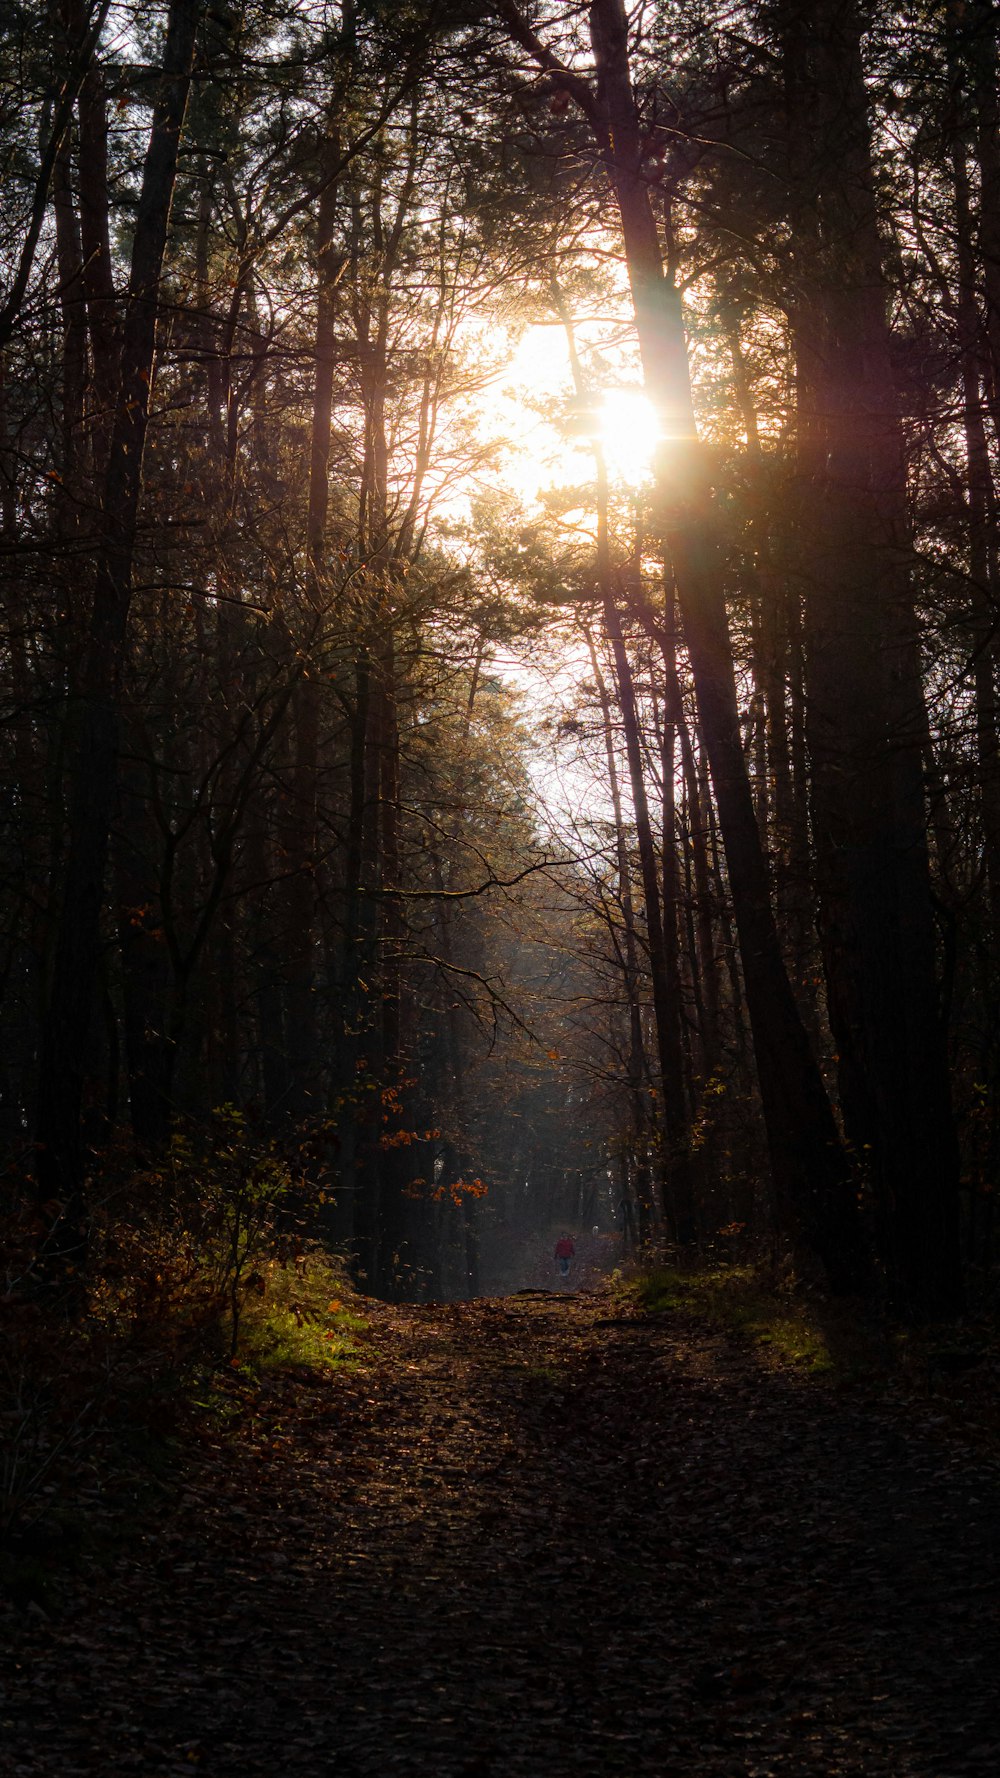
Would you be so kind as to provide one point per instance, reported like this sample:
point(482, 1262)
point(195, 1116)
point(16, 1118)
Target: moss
point(736, 1299)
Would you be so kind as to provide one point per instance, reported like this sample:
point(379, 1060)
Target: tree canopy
point(499, 571)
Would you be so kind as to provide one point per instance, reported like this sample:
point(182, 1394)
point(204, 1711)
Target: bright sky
point(529, 409)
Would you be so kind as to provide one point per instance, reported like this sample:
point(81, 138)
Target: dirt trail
point(526, 1543)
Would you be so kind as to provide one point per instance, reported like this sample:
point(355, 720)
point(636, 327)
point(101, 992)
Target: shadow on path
point(531, 1546)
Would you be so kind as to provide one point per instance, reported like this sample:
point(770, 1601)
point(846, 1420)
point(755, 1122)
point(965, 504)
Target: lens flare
point(629, 433)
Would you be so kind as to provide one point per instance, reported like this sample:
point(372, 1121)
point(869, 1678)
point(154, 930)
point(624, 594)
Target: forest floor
point(531, 1538)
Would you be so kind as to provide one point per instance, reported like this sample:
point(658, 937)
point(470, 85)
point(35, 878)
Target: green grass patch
point(825, 1338)
point(735, 1299)
point(304, 1315)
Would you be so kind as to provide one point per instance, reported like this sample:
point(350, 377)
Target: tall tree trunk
point(866, 714)
point(977, 27)
point(637, 1066)
point(458, 1161)
point(397, 1259)
point(984, 568)
point(774, 797)
point(147, 969)
point(705, 963)
point(664, 972)
point(811, 1172)
point(98, 279)
point(69, 253)
point(302, 837)
point(68, 1017)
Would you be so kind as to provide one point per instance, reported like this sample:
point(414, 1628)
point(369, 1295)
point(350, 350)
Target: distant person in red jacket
point(564, 1253)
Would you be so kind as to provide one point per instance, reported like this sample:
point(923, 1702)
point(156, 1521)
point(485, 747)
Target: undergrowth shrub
point(188, 1250)
point(204, 1258)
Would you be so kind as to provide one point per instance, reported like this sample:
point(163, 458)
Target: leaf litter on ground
point(521, 1542)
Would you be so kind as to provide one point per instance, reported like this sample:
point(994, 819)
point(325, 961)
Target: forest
point(499, 687)
point(499, 887)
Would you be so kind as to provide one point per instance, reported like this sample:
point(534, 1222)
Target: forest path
point(529, 1540)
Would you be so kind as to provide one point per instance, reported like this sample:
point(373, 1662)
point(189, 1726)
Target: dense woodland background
point(306, 891)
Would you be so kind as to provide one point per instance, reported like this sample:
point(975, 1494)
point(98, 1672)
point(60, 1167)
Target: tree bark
point(984, 566)
point(811, 1173)
point(302, 837)
point(67, 1020)
point(866, 714)
point(637, 1066)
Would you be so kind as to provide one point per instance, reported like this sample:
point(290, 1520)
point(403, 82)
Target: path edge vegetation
point(204, 1292)
point(109, 1412)
point(797, 1326)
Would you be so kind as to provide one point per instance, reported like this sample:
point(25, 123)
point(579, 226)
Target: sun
point(542, 431)
point(629, 433)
